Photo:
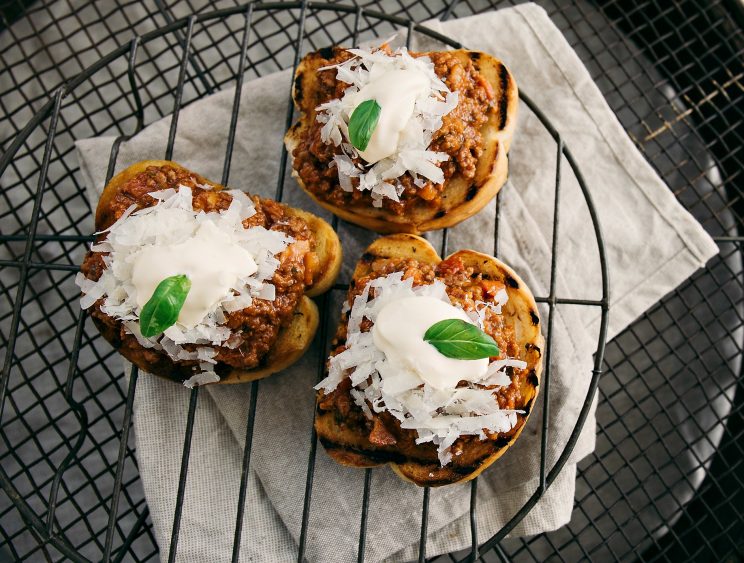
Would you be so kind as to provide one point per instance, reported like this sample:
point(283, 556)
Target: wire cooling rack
point(652, 490)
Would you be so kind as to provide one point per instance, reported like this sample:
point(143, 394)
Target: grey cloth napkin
point(652, 245)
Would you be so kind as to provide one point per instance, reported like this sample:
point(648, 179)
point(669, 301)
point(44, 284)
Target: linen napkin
point(652, 245)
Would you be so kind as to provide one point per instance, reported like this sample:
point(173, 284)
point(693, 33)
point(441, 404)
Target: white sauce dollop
point(399, 332)
point(396, 92)
point(210, 258)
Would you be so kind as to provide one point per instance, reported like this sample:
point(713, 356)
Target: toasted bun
point(462, 197)
point(292, 341)
point(419, 464)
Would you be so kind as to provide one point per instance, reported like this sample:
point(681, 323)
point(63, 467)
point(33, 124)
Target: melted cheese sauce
point(209, 258)
point(396, 92)
point(399, 333)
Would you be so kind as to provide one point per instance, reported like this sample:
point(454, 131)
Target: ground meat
point(259, 324)
point(464, 287)
point(459, 137)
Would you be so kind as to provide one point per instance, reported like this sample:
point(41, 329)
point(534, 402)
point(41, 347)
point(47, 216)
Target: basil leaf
point(461, 340)
point(363, 122)
point(162, 309)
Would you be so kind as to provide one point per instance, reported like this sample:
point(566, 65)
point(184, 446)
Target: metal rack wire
point(44, 239)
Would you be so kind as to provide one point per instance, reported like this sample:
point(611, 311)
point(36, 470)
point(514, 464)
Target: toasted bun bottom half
point(350, 446)
point(293, 339)
point(292, 342)
point(462, 197)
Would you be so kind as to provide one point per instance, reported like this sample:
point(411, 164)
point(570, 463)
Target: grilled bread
point(462, 194)
point(293, 338)
point(349, 438)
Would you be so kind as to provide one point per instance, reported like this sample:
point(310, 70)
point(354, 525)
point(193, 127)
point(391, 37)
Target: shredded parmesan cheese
point(412, 155)
point(439, 416)
point(170, 221)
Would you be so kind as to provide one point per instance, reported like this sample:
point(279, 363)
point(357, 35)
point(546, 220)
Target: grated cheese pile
point(438, 416)
point(412, 154)
point(170, 221)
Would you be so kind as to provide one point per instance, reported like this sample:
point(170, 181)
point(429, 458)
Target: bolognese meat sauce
point(459, 137)
point(256, 326)
point(464, 287)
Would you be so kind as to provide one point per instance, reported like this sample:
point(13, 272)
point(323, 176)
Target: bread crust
point(292, 341)
point(351, 447)
point(462, 197)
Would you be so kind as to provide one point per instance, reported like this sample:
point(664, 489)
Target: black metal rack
point(44, 240)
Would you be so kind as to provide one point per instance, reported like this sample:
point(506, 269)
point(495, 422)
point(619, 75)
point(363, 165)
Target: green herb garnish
point(461, 340)
point(363, 122)
point(162, 310)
